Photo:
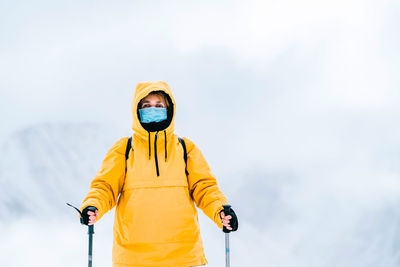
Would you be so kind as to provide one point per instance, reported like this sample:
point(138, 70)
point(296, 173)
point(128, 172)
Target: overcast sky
point(306, 89)
point(292, 71)
point(82, 60)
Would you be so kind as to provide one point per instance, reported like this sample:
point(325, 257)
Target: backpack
point(129, 146)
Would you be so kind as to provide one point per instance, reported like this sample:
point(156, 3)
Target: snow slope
point(46, 165)
point(310, 217)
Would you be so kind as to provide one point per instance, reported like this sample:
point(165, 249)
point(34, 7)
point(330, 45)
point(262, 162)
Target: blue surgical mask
point(152, 114)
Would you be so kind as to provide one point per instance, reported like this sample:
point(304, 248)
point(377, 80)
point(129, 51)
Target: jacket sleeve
point(203, 184)
point(107, 184)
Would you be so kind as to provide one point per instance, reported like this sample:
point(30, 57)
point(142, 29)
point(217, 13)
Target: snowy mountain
point(46, 165)
point(290, 217)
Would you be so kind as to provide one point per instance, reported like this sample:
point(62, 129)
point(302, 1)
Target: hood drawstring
point(155, 150)
point(155, 154)
point(149, 146)
point(165, 141)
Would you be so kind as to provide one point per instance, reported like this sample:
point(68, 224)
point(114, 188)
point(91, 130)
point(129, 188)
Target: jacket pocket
point(157, 215)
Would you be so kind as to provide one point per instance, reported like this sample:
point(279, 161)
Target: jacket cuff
point(216, 208)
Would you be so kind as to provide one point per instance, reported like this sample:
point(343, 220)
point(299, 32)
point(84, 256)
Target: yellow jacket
point(156, 222)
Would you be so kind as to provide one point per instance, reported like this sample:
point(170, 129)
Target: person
point(154, 190)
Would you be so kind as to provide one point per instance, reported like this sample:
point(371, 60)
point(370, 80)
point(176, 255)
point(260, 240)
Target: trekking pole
point(227, 209)
point(90, 232)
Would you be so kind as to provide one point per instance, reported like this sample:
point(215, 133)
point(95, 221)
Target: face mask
point(152, 114)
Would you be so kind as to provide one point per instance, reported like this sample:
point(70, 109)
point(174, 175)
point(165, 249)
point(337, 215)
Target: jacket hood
point(141, 91)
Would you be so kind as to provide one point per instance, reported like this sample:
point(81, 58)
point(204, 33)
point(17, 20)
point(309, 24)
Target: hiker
point(154, 190)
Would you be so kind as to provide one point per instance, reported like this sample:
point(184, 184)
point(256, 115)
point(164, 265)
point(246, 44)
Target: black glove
point(85, 216)
point(234, 223)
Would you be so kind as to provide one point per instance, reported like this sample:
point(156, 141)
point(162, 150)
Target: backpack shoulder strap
point(182, 141)
point(128, 147)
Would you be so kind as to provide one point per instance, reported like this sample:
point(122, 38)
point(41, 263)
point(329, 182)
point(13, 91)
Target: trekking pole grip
point(227, 210)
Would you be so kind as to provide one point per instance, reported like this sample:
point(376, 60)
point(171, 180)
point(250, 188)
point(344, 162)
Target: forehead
point(153, 97)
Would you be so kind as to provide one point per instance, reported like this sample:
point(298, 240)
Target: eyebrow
point(147, 101)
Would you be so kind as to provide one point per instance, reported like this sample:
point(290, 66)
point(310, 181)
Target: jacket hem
point(175, 264)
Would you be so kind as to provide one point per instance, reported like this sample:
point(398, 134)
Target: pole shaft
point(227, 250)
point(91, 232)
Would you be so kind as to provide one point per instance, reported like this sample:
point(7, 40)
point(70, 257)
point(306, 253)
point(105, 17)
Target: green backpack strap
point(184, 152)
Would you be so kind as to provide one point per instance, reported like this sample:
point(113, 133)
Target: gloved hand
point(89, 215)
point(229, 220)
